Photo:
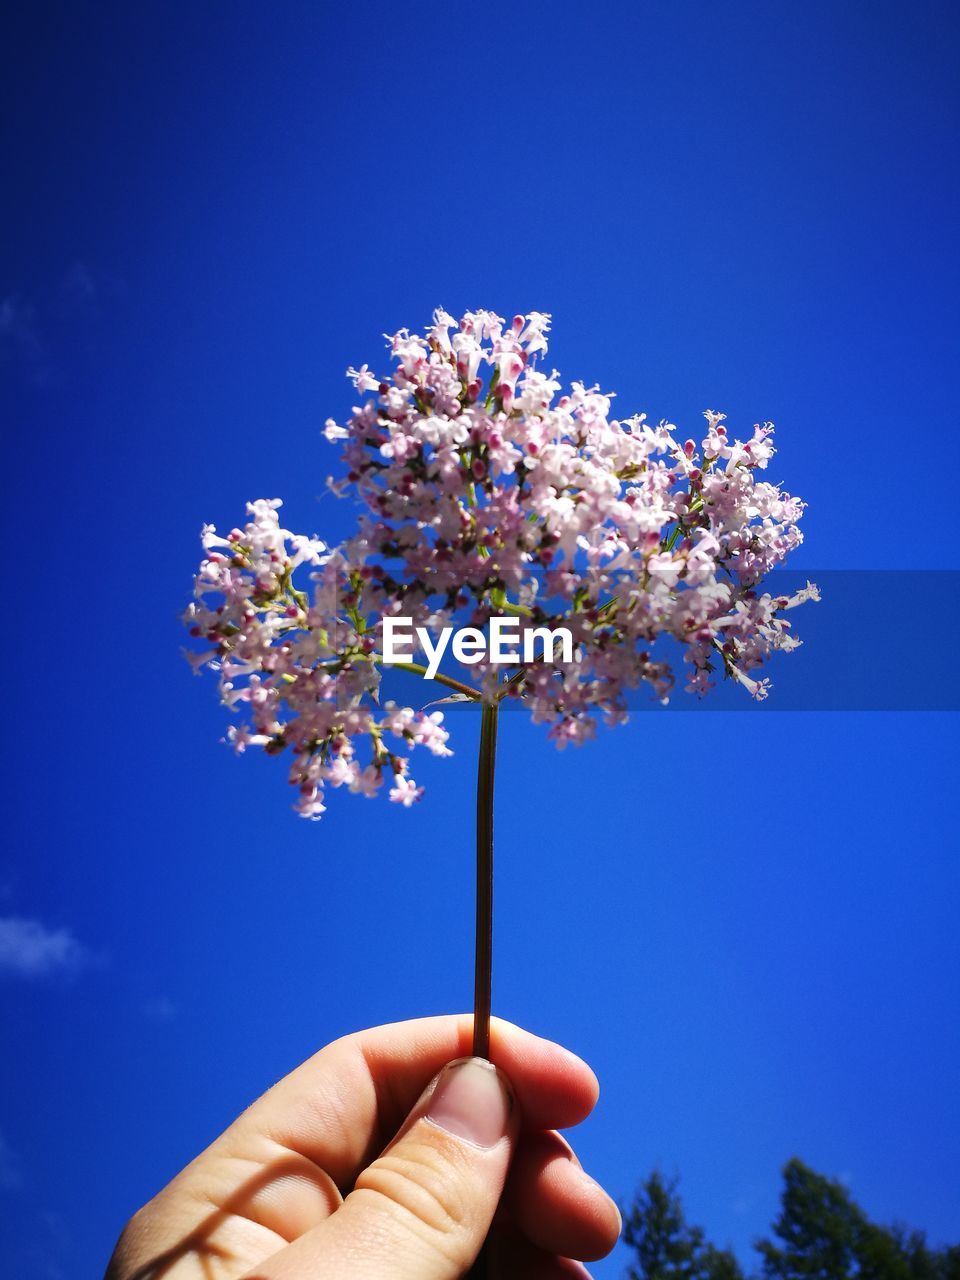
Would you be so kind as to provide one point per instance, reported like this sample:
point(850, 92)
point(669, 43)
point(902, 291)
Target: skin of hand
point(387, 1156)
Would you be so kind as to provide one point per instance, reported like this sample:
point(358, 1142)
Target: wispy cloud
point(78, 294)
point(19, 337)
point(10, 1177)
point(42, 332)
point(78, 283)
point(51, 1245)
point(159, 1009)
point(29, 949)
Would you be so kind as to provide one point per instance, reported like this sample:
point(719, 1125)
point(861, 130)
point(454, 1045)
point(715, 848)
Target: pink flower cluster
point(303, 672)
point(485, 492)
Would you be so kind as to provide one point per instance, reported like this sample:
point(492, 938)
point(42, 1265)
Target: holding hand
point(386, 1156)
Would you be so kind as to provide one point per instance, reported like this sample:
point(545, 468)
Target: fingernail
point(472, 1101)
point(576, 1269)
point(592, 1182)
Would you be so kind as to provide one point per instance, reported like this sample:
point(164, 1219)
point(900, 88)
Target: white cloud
point(28, 949)
point(10, 1178)
point(42, 333)
point(160, 1009)
point(78, 282)
point(78, 296)
point(19, 337)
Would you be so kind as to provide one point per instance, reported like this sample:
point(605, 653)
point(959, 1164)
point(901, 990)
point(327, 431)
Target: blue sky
point(745, 923)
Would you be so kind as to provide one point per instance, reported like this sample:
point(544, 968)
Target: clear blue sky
point(747, 924)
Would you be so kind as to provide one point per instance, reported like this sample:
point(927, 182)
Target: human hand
point(300, 1187)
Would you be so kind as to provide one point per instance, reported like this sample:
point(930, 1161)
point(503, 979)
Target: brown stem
point(484, 962)
point(419, 669)
point(484, 954)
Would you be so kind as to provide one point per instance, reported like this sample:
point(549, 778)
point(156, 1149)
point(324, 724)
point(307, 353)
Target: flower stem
point(419, 669)
point(484, 953)
point(481, 1269)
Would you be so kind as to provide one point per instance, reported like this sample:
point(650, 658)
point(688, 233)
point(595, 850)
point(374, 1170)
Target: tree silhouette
point(667, 1247)
point(821, 1233)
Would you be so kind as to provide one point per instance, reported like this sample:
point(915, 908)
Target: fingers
point(555, 1204)
point(226, 1213)
point(282, 1168)
point(422, 1210)
point(342, 1106)
point(513, 1257)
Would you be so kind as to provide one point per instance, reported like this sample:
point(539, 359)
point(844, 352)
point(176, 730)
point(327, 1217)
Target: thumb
point(422, 1210)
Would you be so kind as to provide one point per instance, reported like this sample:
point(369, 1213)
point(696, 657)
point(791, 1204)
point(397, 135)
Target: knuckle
point(428, 1190)
point(121, 1260)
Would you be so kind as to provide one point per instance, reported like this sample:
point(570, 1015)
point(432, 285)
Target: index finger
point(342, 1106)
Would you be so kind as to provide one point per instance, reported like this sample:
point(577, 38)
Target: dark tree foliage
point(820, 1234)
point(824, 1235)
point(819, 1227)
point(667, 1247)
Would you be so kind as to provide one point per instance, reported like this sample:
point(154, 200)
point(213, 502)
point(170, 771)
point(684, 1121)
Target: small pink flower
point(405, 791)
